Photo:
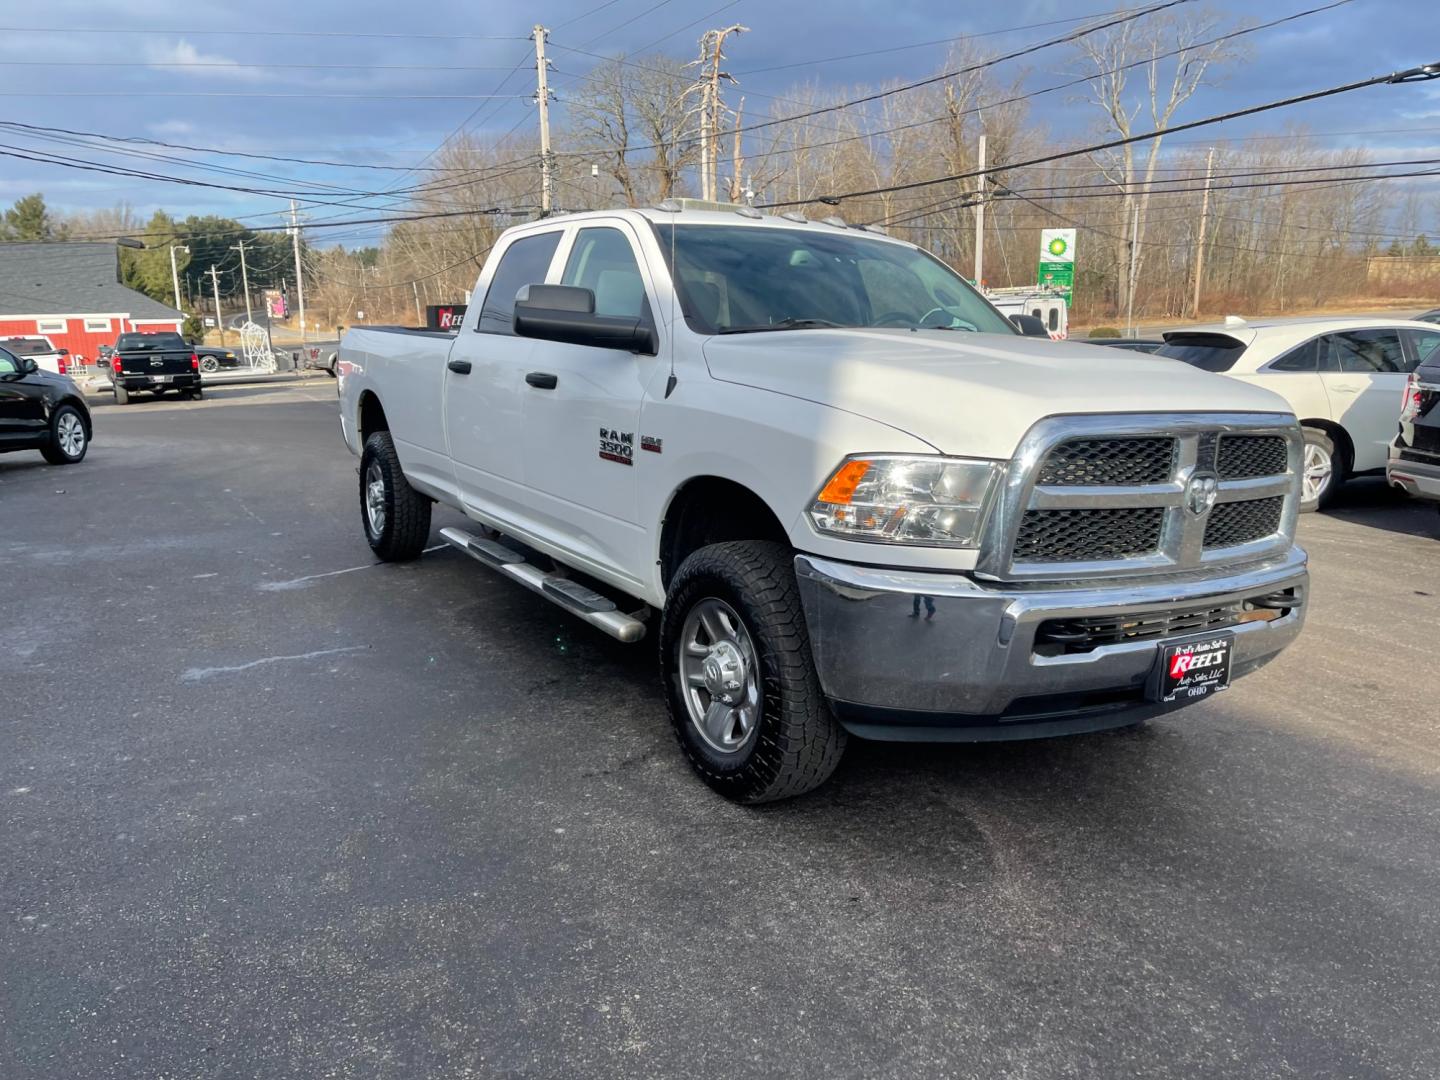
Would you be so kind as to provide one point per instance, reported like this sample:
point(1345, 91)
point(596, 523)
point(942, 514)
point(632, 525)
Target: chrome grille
point(1243, 522)
point(1242, 457)
point(1138, 494)
point(1086, 535)
point(1145, 459)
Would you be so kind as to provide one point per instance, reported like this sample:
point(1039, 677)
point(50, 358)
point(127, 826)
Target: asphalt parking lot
point(270, 810)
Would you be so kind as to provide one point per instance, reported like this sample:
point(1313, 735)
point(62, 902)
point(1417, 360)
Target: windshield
point(1208, 352)
point(151, 341)
point(742, 279)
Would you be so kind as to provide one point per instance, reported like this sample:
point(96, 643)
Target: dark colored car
point(40, 410)
point(215, 358)
point(1414, 464)
point(1429, 316)
point(155, 363)
point(1130, 344)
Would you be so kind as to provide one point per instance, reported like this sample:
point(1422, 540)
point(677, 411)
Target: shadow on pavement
point(1370, 502)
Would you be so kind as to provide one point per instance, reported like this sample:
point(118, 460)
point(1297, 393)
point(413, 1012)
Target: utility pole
point(1130, 294)
point(244, 280)
point(1200, 242)
point(542, 100)
point(299, 279)
point(215, 281)
point(711, 46)
point(980, 219)
point(175, 274)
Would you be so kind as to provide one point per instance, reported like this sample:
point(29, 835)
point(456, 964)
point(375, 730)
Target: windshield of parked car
point(1208, 352)
point(737, 279)
point(151, 341)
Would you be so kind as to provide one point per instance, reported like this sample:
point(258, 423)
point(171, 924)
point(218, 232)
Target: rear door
point(1364, 372)
point(484, 384)
point(580, 434)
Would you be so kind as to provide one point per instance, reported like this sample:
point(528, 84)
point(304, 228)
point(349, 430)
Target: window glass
point(50, 326)
point(743, 278)
point(1054, 322)
point(97, 326)
point(169, 340)
point(1368, 352)
point(524, 263)
point(1301, 358)
point(603, 261)
point(8, 364)
point(1208, 352)
point(1427, 347)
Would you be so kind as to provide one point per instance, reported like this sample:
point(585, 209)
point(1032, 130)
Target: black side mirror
point(28, 366)
point(1030, 326)
point(567, 313)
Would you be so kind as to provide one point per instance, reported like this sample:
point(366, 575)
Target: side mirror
point(1030, 326)
point(567, 313)
point(63, 352)
point(28, 366)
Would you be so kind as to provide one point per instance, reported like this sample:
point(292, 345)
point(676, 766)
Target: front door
point(583, 447)
point(22, 408)
point(1364, 372)
point(484, 381)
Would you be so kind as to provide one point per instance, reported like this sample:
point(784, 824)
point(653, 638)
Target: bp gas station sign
point(1057, 260)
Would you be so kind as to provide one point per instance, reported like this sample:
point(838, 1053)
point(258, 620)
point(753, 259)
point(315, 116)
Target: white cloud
point(205, 65)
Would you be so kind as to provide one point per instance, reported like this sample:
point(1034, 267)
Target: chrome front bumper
point(969, 671)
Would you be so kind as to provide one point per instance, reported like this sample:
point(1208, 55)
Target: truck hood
point(966, 393)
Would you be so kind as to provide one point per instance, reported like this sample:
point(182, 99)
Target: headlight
point(929, 501)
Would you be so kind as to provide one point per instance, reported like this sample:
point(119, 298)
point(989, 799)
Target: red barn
point(71, 294)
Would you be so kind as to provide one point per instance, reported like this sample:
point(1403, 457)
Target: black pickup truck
point(154, 363)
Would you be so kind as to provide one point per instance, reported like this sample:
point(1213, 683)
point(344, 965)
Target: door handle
point(542, 380)
point(460, 367)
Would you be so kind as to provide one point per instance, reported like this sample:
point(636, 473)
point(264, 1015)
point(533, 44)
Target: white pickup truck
point(854, 499)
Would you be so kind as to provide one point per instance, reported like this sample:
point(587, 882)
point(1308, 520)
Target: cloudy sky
point(299, 78)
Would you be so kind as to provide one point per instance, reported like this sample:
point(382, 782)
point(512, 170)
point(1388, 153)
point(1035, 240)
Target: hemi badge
point(651, 443)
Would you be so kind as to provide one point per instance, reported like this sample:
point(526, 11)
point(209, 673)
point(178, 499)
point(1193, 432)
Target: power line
point(251, 33)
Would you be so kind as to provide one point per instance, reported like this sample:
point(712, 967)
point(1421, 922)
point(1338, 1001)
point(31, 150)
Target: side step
point(575, 598)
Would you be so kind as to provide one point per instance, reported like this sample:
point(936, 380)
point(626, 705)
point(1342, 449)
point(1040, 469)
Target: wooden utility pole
point(542, 101)
point(1200, 241)
point(980, 218)
point(712, 50)
point(299, 277)
point(219, 321)
point(244, 280)
point(1134, 251)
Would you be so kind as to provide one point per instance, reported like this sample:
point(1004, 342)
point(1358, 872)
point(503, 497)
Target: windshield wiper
point(783, 324)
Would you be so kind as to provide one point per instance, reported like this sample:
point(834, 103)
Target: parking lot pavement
point(270, 810)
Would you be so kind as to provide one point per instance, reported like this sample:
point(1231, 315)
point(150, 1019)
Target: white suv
point(1343, 377)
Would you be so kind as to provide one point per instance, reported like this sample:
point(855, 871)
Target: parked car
point(1342, 377)
point(1140, 345)
point(1432, 316)
point(41, 350)
point(214, 358)
point(40, 410)
point(1414, 464)
point(832, 431)
point(155, 363)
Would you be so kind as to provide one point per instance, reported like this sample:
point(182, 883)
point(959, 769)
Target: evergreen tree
point(29, 219)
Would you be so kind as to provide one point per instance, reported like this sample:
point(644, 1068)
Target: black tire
point(1317, 442)
point(796, 742)
point(54, 450)
point(122, 396)
point(406, 521)
point(196, 394)
point(209, 364)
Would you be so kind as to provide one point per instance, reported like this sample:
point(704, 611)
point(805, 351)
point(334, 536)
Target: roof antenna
point(670, 206)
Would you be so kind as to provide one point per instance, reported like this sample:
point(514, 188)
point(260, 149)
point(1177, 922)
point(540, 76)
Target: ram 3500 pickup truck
point(853, 498)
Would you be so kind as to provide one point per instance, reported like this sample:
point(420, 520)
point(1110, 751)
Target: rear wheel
point(122, 396)
point(395, 515)
point(1322, 471)
point(68, 438)
point(744, 698)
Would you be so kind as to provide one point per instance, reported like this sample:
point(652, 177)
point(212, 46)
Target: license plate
point(1190, 671)
point(161, 378)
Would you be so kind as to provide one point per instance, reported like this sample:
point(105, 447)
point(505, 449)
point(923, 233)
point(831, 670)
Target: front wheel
point(395, 515)
point(744, 698)
point(1322, 471)
point(68, 438)
point(209, 365)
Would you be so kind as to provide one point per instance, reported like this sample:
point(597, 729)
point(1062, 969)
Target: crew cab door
point(22, 406)
point(581, 427)
point(484, 379)
point(1364, 372)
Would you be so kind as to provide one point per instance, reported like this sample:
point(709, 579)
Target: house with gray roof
point(71, 294)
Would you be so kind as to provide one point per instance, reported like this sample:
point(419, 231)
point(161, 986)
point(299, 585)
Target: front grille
point(1244, 457)
point(1243, 522)
point(1088, 535)
point(1113, 462)
point(1059, 637)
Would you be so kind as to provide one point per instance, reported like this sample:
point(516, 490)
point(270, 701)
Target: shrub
point(1105, 332)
